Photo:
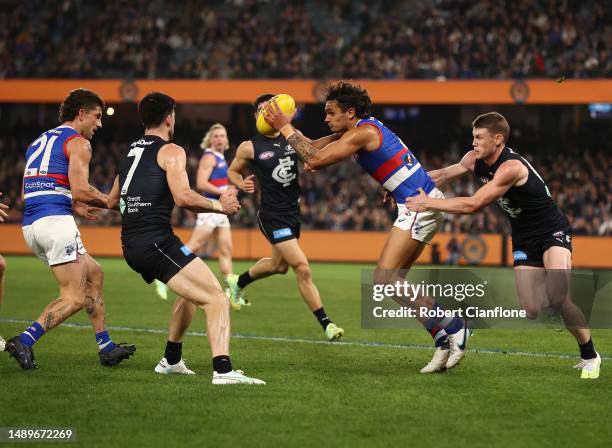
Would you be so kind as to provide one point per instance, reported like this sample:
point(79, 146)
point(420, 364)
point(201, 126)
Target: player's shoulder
point(246, 150)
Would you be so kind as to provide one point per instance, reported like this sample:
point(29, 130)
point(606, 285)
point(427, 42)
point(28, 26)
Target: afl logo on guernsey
point(266, 155)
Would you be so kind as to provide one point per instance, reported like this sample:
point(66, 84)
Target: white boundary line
point(493, 351)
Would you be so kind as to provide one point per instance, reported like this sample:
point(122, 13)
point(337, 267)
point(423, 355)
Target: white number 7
point(135, 152)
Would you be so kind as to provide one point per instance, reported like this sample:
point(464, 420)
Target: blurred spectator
point(431, 39)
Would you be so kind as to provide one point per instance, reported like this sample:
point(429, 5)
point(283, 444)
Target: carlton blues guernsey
point(276, 167)
point(149, 245)
point(275, 164)
point(536, 220)
point(146, 201)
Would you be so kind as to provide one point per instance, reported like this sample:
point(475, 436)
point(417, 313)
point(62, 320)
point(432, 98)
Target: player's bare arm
point(322, 142)
point(3, 207)
point(508, 174)
point(244, 155)
point(350, 142)
point(449, 173)
point(171, 158)
point(79, 153)
point(114, 195)
point(205, 169)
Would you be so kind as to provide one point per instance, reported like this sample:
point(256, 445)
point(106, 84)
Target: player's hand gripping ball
point(285, 102)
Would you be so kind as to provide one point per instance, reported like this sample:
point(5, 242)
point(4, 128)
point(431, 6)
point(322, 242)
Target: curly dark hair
point(76, 100)
point(350, 95)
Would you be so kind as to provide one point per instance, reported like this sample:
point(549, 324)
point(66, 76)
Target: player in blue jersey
point(56, 185)
point(388, 160)
point(211, 181)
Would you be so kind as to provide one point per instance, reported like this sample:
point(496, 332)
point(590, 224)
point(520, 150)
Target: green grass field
point(365, 392)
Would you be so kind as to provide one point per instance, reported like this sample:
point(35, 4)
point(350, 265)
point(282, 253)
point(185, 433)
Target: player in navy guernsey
point(152, 180)
point(275, 165)
point(541, 237)
point(384, 156)
point(211, 181)
point(56, 185)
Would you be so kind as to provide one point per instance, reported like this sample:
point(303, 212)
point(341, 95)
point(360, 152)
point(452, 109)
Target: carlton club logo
point(283, 172)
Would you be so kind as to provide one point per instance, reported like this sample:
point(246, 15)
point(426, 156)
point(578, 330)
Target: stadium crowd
point(306, 39)
point(342, 197)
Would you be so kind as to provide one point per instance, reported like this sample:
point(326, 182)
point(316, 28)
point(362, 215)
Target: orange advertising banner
point(326, 246)
point(548, 91)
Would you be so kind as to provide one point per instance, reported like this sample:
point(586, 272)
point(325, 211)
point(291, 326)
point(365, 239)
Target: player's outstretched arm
point(506, 176)
point(244, 156)
point(171, 158)
point(3, 214)
point(79, 156)
point(445, 175)
point(340, 149)
point(205, 169)
point(114, 195)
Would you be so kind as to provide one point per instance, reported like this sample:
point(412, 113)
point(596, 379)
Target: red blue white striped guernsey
point(46, 189)
point(218, 176)
point(393, 165)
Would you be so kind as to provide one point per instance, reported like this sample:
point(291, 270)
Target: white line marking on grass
point(495, 351)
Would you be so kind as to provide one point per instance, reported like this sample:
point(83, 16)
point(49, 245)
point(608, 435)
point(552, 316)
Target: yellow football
point(286, 104)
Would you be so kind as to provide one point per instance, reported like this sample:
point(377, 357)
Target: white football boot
point(438, 362)
point(589, 367)
point(458, 346)
point(234, 377)
point(180, 368)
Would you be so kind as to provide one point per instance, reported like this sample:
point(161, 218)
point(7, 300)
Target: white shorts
point(422, 225)
point(213, 220)
point(54, 239)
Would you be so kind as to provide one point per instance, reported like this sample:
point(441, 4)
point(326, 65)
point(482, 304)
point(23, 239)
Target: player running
point(541, 235)
point(152, 179)
point(56, 184)
point(388, 160)
point(275, 165)
point(211, 181)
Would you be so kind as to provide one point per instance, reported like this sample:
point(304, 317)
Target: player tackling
point(541, 236)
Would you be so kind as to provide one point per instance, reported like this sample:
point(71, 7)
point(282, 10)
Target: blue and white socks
point(440, 327)
point(31, 334)
point(105, 344)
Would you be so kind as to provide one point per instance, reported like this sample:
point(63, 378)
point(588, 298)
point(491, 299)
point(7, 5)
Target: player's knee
point(281, 267)
point(219, 299)
point(97, 277)
point(302, 271)
point(2, 265)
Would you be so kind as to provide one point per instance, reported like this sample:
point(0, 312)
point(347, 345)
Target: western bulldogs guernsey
point(218, 176)
point(275, 165)
point(530, 207)
point(393, 165)
point(46, 189)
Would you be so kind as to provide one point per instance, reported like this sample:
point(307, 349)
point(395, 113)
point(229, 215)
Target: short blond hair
point(206, 140)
